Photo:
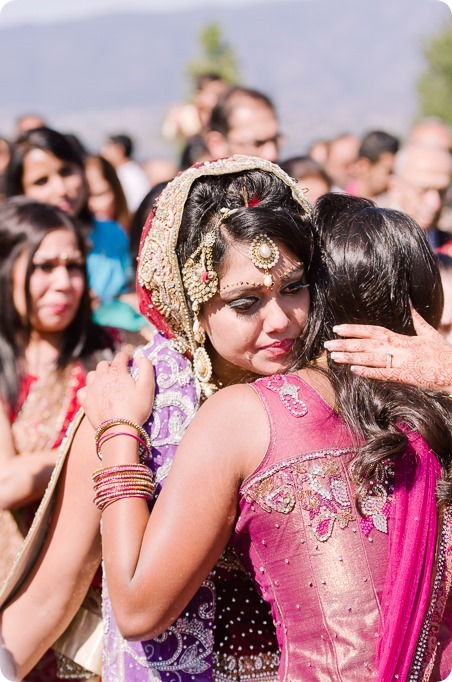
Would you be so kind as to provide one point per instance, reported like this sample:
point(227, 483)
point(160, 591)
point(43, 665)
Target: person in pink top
point(334, 490)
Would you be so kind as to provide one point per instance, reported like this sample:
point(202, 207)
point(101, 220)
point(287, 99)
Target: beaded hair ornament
point(160, 279)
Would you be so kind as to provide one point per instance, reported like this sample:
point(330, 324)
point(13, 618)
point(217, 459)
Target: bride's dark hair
point(378, 262)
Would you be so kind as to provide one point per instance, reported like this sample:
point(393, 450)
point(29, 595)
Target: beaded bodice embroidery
point(315, 559)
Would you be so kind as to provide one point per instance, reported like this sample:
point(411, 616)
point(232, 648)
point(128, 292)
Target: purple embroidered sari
point(241, 645)
point(184, 651)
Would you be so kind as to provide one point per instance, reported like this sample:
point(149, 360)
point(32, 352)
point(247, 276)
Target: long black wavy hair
point(377, 264)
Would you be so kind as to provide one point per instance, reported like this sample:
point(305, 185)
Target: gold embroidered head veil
point(163, 299)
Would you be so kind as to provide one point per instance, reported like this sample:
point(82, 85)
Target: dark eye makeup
point(249, 303)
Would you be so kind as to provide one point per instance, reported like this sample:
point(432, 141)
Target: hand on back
point(112, 393)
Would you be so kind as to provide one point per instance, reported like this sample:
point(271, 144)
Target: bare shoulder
point(235, 420)
point(238, 403)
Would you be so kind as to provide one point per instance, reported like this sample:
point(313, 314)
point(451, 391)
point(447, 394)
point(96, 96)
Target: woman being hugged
point(334, 491)
point(226, 631)
point(47, 345)
point(228, 250)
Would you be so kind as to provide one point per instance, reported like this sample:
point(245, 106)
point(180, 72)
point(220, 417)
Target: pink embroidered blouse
point(320, 564)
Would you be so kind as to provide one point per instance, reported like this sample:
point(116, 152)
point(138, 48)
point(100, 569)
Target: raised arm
point(62, 574)
point(155, 563)
point(424, 360)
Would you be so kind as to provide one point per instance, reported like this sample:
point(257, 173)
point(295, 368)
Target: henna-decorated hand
point(112, 393)
point(424, 360)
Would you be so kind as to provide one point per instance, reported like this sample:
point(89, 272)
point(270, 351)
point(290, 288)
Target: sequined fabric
point(320, 565)
point(433, 656)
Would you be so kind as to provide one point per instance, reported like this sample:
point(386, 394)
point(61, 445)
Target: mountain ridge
point(329, 67)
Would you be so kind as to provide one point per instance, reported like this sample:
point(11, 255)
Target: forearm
point(39, 615)
point(154, 566)
point(123, 529)
point(24, 478)
point(62, 573)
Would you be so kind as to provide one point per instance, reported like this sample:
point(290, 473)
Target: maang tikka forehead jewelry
point(264, 254)
point(198, 274)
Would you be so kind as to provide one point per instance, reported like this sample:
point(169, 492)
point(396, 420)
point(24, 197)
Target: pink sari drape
point(413, 539)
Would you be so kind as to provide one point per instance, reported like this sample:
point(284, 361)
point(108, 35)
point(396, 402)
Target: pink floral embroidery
point(325, 496)
point(274, 493)
point(317, 485)
point(376, 501)
point(318, 482)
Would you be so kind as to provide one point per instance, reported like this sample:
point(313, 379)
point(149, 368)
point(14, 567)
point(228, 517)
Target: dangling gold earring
point(201, 283)
point(199, 277)
point(202, 364)
point(198, 333)
point(203, 371)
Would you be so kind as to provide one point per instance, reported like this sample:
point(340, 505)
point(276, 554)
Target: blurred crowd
point(110, 193)
point(70, 226)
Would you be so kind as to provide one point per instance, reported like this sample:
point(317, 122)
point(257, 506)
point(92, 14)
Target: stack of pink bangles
point(123, 480)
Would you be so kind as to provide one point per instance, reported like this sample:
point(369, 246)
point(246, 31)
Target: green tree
point(217, 56)
point(435, 84)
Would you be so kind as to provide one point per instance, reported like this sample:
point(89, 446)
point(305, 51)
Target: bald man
point(431, 131)
point(421, 176)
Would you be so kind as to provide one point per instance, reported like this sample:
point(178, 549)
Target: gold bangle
point(122, 481)
point(104, 426)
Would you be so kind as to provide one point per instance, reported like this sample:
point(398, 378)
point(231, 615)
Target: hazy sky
point(24, 11)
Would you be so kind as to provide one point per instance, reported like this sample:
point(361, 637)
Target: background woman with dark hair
point(106, 197)
point(45, 166)
point(48, 343)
